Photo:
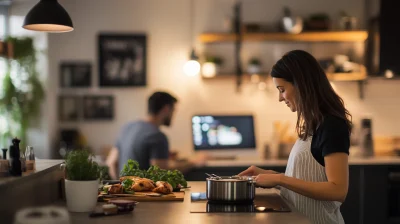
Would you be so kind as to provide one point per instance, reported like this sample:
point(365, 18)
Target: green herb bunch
point(127, 186)
point(254, 61)
point(213, 59)
point(79, 166)
point(104, 173)
point(132, 169)
point(155, 173)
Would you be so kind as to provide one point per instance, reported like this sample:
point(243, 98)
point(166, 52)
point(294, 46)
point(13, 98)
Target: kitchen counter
point(283, 162)
point(36, 188)
point(179, 212)
point(42, 166)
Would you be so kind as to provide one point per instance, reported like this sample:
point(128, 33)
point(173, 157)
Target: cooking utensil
point(233, 189)
point(213, 176)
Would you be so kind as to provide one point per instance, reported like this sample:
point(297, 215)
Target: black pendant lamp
point(48, 16)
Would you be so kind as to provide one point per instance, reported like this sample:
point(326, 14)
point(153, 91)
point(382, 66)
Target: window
point(2, 26)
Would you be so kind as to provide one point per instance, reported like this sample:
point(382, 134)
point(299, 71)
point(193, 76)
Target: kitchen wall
point(167, 25)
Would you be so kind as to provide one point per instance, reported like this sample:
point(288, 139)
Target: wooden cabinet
point(351, 208)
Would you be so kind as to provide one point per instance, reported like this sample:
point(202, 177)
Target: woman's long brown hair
point(315, 96)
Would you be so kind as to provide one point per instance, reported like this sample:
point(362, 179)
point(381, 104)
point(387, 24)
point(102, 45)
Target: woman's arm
point(112, 163)
point(335, 189)
point(254, 171)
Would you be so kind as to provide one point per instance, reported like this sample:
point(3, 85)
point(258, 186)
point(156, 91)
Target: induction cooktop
point(262, 203)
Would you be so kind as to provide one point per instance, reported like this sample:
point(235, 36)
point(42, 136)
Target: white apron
point(302, 165)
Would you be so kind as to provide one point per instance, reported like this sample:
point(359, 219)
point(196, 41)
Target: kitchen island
point(180, 212)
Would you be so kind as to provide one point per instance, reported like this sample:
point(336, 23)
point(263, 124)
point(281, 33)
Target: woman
point(316, 178)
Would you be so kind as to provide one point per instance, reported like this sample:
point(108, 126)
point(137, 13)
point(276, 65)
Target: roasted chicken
point(163, 187)
point(140, 184)
point(143, 184)
point(116, 189)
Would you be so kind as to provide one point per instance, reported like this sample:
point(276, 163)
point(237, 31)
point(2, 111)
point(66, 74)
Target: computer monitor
point(223, 132)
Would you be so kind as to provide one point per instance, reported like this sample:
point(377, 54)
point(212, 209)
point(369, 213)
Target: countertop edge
point(42, 169)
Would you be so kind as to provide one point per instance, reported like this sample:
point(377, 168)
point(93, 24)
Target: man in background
point(144, 142)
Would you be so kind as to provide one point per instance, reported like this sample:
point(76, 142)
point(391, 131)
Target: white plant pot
point(209, 69)
point(81, 195)
point(253, 69)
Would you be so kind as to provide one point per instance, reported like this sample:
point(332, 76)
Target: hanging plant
point(21, 91)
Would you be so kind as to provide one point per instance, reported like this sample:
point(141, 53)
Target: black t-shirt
point(331, 136)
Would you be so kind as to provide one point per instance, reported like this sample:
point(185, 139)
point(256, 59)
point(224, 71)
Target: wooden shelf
point(326, 36)
point(346, 76)
point(331, 76)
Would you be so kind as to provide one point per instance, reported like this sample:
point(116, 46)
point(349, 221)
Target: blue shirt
point(141, 141)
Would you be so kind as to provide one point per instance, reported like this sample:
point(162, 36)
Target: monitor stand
point(231, 154)
point(221, 157)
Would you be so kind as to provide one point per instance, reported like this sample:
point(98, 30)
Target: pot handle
point(251, 180)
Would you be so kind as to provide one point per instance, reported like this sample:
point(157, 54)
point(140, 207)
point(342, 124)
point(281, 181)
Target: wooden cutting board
point(142, 197)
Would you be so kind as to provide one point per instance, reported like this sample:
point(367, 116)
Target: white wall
point(167, 25)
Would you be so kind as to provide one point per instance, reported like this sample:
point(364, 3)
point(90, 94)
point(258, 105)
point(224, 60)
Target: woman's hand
point(255, 171)
point(268, 180)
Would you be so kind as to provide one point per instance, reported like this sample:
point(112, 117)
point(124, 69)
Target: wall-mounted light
point(48, 16)
point(192, 66)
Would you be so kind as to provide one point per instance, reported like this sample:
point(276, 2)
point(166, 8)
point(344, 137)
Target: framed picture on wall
point(68, 108)
point(122, 60)
point(98, 107)
point(75, 74)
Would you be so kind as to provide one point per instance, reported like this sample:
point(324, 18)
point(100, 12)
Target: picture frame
point(69, 108)
point(75, 74)
point(122, 60)
point(98, 107)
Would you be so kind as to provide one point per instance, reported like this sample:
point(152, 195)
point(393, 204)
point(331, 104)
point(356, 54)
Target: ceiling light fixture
point(48, 16)
point(192, 66)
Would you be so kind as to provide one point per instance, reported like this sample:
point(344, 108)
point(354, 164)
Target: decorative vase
point(253, 69)
point(293, 25)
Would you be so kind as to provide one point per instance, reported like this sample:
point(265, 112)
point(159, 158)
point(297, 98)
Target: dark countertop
point(42, 166)
point(38, 188)
point(179, 212)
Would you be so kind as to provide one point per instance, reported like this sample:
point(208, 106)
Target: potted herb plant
point(81, 181)
point(254, 66)
point(211, 66)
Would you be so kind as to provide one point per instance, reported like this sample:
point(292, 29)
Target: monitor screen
point(223, 132)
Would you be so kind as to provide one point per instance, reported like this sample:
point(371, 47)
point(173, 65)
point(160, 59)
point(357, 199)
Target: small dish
point(124, 205)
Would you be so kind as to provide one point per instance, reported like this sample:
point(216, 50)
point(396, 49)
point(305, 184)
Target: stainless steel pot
point(230, 189)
